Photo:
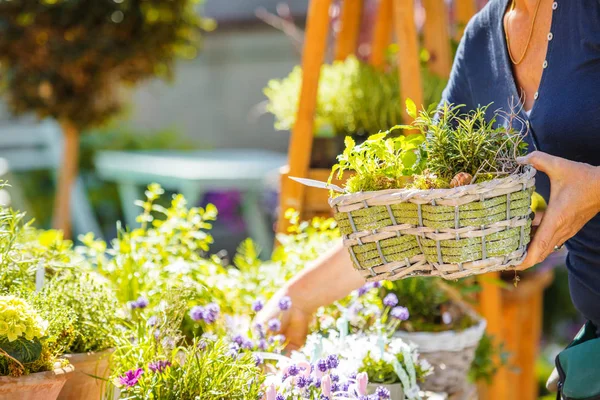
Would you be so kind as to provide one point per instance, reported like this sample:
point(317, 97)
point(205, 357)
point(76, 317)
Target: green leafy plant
point(381, 162)
point(489, 357)
point(92, 300)
point(353, 98)
point(471, 142)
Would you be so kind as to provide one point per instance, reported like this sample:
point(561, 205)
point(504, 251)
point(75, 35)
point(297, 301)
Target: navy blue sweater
point(565, 118)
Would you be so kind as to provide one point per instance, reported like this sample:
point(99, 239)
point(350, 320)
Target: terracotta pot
point(396, 391)
point(38, 386)
point(83, 384)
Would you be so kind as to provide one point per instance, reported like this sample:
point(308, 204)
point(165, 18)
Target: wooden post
point(347, 37)
point(463, 11)
point(382, 33)
point(491, 309)
point(317, 27)
point(61, 218)
point(408, 52)
point(437, 37)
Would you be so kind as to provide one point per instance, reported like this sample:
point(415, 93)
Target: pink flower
point(326, 385)
point(271, 393)
point(304, 368)
point(131, 377)
point(361, 383)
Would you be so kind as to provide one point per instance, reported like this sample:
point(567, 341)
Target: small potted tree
point(68, 60)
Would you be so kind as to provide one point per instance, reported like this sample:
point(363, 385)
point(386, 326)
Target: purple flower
point(152, 321)
point(257, 305)
point(293, 370)
point(142, 302)
point(400, 313)
point(323, 397)
point(247, 344)
point(258, 360)
point(322, 365)
point(159, 366)
point(391, 300)
point(377, 285)
point(345, 386)
point(262, 344)
point(279, 397)
point(332, 361)
point(302, 382)
point(202, 345)
point(335, 387)
point(274, 325)
point(197, 313)
point(211, 313)
point(285, 303)
point(131, 377)
point(382, 393)
point(335, 378)
point(238, 339)
point(260, 329)
point(365, 289)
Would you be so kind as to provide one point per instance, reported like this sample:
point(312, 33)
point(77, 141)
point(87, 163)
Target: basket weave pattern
point(452, 233)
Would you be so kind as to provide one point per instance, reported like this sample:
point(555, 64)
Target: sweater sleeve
point(458, 90)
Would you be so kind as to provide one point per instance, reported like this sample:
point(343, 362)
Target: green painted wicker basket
point(452, 233)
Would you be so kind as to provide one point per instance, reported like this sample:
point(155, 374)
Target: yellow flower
point(19, 319)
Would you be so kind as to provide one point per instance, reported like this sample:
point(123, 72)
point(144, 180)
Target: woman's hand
point(329, 279)
point(574, 200)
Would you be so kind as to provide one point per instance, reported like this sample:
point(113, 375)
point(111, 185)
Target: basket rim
point(528, 172)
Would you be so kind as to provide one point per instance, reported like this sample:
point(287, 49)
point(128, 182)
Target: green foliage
point(489, 357)
point(468, 142)
point(96, 316)
point(381, 162)
point(431, 307)
point(205, 369)
point(381, 371)
point(353, 98)
point(169, 246)
point(23, 350)
point(67, 59)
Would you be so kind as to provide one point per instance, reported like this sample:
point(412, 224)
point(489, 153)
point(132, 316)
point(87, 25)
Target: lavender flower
point(376, 285)
point(131, 377)
point(159, 366)
point(279, 397)
point(293, 370)
point(302, 382)
point(400, 313)
point(247, 344)
point(391, 300)
point(364, 289)
point(257, 305)
point(152, 321)
point(322, 365)
point(382, 393)
point(332, 361)
point(197, 313)
point(238, 339)
point(335, 378)
point(142, 302)
point(274, 325)
point(262, 344)
point(211, 313)
point(335, 387)
point(285, 303)
point(258, 360)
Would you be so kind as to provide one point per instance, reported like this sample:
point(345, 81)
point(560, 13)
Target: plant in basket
point(450, 201)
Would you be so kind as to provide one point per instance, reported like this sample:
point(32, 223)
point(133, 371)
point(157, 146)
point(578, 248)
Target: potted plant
point(29, 367)
point(70, 62)
point(94, 304)
point(159, 363)
point(354, 98)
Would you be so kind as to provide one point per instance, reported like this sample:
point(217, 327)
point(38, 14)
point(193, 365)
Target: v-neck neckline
point(508, 63)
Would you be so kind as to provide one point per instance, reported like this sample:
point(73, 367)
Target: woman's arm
point(574, 200)
point(330, 278)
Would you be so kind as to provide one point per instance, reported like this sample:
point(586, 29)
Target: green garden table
point(193, 173)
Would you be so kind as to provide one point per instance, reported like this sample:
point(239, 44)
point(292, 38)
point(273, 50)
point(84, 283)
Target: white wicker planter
point(450, 353)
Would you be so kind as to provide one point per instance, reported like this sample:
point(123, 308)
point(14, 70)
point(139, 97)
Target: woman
point(547, 54)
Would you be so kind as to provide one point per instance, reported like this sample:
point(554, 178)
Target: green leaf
point(349, 142)
point(411, 108)
point(377, 137)
point(22, 350)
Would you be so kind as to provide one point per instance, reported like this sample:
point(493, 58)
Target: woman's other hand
point(574, 200)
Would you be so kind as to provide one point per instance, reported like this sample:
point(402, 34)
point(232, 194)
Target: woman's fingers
point(545, 239)
point(541, 161)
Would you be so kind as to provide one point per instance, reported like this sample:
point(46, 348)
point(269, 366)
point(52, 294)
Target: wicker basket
point(452, 233)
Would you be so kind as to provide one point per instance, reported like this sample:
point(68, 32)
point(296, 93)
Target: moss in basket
point(451, 144)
